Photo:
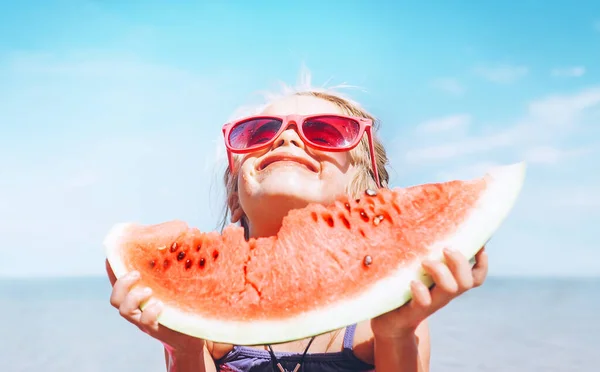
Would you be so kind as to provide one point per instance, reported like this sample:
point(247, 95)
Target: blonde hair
point(364, 178)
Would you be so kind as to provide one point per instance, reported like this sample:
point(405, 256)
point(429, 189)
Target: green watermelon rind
point(495, 203)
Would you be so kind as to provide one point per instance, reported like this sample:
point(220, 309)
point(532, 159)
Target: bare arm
point(406, 353)
point(186, 353)
point(401, 336)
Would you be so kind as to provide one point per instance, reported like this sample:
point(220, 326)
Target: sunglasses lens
point(253, 132)
point(331, 131)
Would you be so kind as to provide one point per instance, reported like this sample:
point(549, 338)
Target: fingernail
point(154, 302)
point(449, 251)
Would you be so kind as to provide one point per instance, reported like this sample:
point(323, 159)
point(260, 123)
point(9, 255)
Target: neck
point(264, 230)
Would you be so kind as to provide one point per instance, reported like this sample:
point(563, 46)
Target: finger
point(149, 317)
point(442, 277)
point(130, 308)
point(421, 297)
point(111, 275)
point(460, 268)
point(480, 270)
point(122, 287)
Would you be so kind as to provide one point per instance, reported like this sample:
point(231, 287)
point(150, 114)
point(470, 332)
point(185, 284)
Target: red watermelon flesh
point(328, 266)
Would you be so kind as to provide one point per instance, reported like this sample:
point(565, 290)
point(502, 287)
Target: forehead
point(301, 105)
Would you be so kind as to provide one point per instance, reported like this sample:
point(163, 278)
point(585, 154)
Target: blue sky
point(111, 111)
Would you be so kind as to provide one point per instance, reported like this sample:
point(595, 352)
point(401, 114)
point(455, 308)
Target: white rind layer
point(504, 186)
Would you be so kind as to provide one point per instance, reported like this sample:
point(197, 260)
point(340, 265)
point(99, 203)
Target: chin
point(278, 191)
point(297, 189)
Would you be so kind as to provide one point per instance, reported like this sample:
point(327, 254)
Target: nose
point(289, 137)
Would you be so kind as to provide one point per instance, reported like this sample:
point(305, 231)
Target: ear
point(234, 206)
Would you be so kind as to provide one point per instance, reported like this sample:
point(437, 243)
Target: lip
point(274, 158)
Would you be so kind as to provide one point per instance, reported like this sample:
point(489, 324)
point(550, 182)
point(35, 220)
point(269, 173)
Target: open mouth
point(286, 158)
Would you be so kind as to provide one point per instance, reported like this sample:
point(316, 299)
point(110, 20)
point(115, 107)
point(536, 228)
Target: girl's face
point(290, 174)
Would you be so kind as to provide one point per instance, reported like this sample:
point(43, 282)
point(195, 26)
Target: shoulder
point(364, 341)
point(218, 350)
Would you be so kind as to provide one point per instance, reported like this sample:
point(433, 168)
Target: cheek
point(338, 168)
point(338, 162)
point(245, 179)
point(245, 191)
point(343, 158)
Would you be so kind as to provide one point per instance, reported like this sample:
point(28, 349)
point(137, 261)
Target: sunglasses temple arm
point(372, 155)
point(230, 160)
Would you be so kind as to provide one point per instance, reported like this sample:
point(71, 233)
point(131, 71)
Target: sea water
point(507, 325)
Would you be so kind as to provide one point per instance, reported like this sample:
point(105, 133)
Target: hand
point(451, 280)
point(128, 299)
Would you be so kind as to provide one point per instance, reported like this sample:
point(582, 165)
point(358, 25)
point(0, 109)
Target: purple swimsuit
point(245, 359)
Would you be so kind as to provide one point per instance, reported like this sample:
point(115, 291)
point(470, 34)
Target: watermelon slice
point(328, 266)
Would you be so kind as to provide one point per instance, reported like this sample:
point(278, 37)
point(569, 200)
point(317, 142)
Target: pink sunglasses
point(322, 132)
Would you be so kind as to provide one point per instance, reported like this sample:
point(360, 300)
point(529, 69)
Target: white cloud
point(574, 71)
point(577, 198)
point(547, 120)
point(552, 155)
point(465, 146)
point(454, 123)
point(567, 204)
point(466, 172)
point(543, 155)
point(502, 74)
point(449, 85)
point(564, 110)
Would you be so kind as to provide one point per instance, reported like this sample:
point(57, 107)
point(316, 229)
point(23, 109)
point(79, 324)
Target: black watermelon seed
point(152, 263)
point(188, 264)
point(367, 260)
point(166, 264)
point(202, 262)
point(215, 254)
point(344, 220)
point(329, 220)
point(347, 205)
point(181, 256)
point(173, 247)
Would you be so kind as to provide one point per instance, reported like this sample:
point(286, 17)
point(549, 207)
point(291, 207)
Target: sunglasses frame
point(365, 126)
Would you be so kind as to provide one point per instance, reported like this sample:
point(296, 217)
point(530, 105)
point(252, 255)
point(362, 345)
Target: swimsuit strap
point(349, 337)
point(277, 364)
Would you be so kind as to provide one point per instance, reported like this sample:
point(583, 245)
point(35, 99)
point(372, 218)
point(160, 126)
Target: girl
point(315, 146)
